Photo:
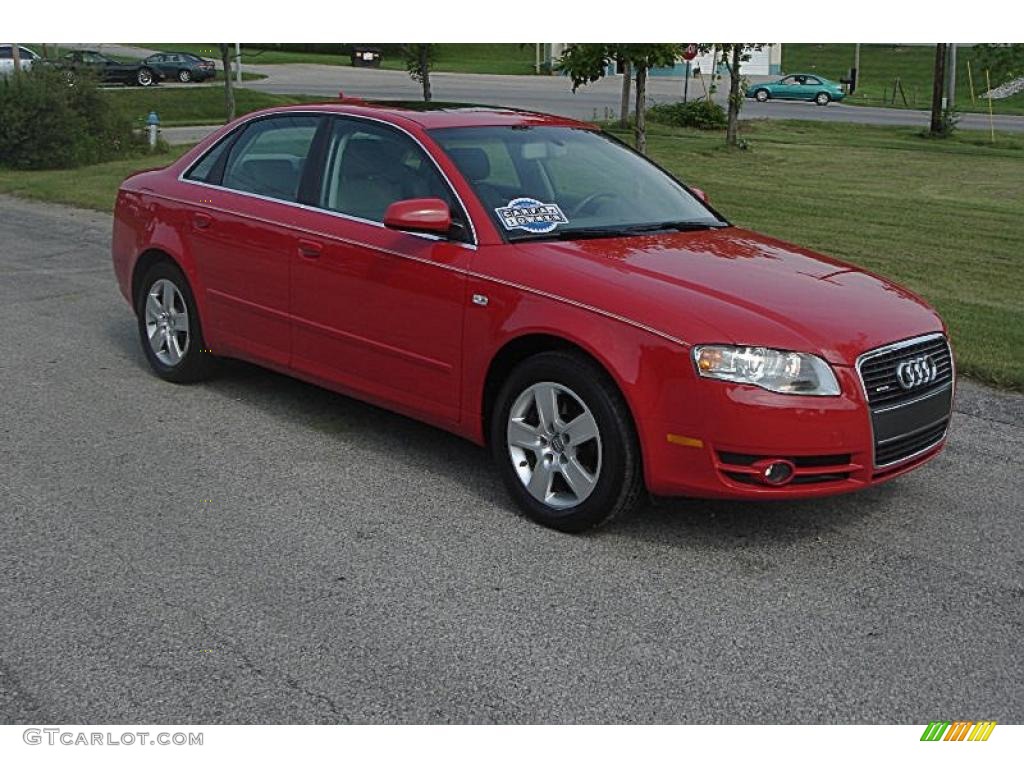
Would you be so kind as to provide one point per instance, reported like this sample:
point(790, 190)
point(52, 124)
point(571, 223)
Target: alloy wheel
point(554, 444)
point(144, 77)
point(184, 76)
point(167, 326)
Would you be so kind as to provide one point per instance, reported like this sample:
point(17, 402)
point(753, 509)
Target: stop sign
point(690, 52)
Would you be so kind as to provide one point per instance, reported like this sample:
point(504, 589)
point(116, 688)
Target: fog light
point(775, 471)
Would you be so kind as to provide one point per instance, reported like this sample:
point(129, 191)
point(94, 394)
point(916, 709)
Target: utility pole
point(938, 83)
point(238, 61)
point(951, 76)
point(856, 67)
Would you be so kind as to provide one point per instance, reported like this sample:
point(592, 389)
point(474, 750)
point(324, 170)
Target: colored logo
point(531, 215)
point(958, 730)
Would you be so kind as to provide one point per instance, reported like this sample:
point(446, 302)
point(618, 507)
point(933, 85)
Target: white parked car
point(28, 56)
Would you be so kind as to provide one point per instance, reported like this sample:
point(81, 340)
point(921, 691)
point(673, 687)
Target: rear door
point(377, 310)
point(240, 233)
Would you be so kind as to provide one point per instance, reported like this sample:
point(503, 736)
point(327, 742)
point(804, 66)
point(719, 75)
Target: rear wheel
point(563, 441)
point(169, 327)
point(822, 99)
point(184, 76)
point(144, 77)
point(762, 95)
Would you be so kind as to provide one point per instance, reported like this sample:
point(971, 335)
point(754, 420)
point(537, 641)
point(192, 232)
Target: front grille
point(878, 372)
point(907, 421)
point(916, 442)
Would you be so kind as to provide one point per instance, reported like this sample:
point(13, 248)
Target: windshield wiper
point(679, 226)
point(584, 233)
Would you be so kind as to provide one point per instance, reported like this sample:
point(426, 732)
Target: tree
point(589, 62)
point(419, 58)
point(733, 56)
point(1003, 62)
point(939, 79)
point(229, 89)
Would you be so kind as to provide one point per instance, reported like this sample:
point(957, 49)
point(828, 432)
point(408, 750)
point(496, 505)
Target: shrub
point(701, 113)
point(47, 123)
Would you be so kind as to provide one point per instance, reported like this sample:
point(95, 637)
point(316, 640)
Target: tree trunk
point(627, 80)
point(640, 132)
point(938, 80)
point(16, 53)
point(734, 96)
point(425, 70)
point(229, 90)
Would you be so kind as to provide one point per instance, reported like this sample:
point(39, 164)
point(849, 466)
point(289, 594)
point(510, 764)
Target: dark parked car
point(184, 67)
point(109, 70)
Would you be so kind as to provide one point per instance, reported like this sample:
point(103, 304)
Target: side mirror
point(701, 195)
point(424, 214)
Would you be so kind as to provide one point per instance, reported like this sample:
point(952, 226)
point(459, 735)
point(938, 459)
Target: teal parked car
point(800, 88)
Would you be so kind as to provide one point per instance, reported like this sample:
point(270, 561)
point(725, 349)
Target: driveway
point(258, 550)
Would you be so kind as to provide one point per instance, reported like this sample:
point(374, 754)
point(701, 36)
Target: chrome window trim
point(320, 112)
point(465, 272)
point(864, 357)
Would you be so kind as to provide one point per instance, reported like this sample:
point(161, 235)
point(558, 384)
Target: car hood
point(730, 286)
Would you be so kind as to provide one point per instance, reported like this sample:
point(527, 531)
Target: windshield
point(567, 183)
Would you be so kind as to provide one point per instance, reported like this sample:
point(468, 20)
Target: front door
point(376, 310)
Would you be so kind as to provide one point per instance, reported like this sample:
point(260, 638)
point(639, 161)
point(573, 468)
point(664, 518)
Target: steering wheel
point(590, 200)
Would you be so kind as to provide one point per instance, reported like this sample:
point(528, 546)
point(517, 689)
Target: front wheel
point(761, 95)
point(184, 76)
point(564, 443)
point(169, 328)
point(822, 99)
point(144, 77)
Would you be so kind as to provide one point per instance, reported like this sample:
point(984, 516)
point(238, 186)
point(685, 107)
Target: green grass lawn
point(479, 58)
point(94, 186)
point(197, 105)
point(943, 217)
point(880, 65)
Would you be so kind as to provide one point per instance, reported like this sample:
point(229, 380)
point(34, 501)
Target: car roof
point(436, 114)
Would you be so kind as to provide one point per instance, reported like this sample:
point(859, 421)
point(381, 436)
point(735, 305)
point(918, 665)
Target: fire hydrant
point(153, 121)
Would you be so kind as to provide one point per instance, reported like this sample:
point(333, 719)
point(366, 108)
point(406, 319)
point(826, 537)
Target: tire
point(762, 95)
point(173, 344)
point(583, 482)
point(184, 76)
point(144, 77)
point(822, 99)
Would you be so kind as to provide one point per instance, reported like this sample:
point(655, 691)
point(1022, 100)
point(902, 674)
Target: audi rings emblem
point(917, 371)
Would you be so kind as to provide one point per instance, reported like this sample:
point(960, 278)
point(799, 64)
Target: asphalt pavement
point(258, 550)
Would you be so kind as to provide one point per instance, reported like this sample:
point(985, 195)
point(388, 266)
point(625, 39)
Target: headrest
point(472, 161)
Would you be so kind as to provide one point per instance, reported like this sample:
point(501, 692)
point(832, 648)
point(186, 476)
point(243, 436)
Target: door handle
point(309, 249)
point(202, 220)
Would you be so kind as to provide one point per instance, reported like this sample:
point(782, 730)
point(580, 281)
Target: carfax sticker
point(531, 215)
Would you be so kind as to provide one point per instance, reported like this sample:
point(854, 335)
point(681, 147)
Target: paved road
point(259, 550)
point(597, 101)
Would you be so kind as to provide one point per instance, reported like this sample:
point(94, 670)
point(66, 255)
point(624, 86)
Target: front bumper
point(719, 450)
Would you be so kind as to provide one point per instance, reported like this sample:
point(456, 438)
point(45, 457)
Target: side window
point(270, 155)
point(812, 81)
point(370, 166)
point(206, 170)
point(5, 52)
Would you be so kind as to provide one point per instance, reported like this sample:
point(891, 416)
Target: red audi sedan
point(536, 286)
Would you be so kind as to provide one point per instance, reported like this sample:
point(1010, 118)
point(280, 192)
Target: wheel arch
point(526, 345)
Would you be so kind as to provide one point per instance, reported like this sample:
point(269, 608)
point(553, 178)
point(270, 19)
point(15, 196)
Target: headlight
point(791, 373)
